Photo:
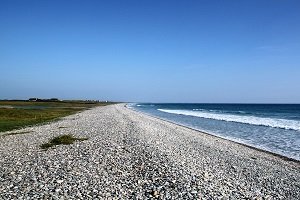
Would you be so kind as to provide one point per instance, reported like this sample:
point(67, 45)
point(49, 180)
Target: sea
point(271, 127)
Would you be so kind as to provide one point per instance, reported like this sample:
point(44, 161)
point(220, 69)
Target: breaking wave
point(260, 121)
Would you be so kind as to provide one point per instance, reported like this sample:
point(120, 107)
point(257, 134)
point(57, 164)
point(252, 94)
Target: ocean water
point(271, 127)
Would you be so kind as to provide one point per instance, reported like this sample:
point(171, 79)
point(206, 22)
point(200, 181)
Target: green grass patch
point(17, 118)
point(19, 114)
point(63, 139)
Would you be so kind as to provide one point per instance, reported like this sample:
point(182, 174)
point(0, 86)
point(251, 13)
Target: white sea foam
point(271, 122)
point(196, 109)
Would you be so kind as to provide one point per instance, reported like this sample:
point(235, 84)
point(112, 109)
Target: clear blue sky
point(151, 50)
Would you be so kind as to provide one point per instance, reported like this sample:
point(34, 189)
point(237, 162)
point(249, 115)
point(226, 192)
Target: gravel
point(133, 155)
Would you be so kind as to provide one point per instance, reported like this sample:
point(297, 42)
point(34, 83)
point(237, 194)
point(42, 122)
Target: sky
point(151, 50)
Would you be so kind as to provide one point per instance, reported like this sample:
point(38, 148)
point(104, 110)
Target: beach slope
point(132, 155)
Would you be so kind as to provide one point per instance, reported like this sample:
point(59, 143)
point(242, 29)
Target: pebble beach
point(130, 155)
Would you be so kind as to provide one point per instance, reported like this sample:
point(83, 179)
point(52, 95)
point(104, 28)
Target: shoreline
point(132, 155)
point(283, 157)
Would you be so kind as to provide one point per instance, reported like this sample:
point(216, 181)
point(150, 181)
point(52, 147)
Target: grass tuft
point(63, 139)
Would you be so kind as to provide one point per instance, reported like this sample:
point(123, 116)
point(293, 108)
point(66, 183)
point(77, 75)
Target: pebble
point(129, 155)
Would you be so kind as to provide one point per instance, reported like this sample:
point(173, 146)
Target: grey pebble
point(130, 155)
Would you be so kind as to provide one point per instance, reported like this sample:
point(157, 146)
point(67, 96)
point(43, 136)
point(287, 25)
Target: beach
point(132, 155)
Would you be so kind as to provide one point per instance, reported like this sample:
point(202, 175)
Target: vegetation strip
point(18, 114)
